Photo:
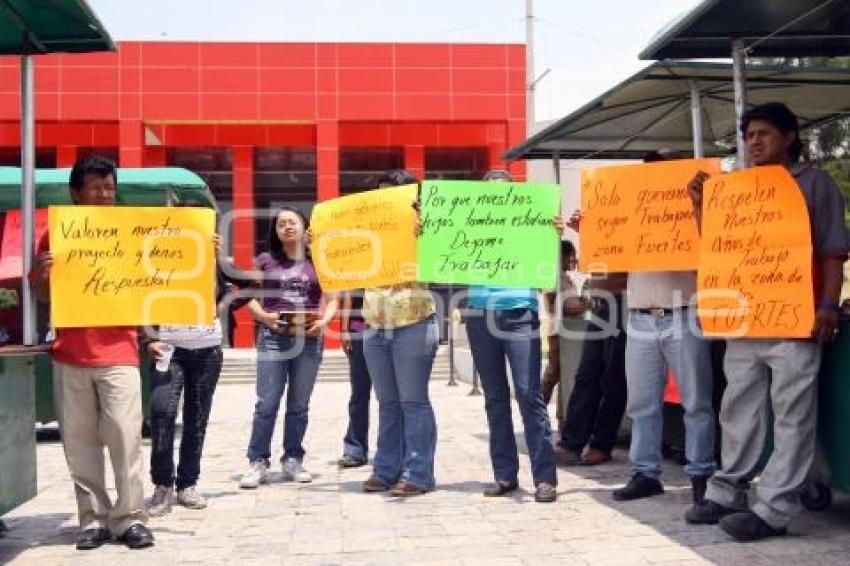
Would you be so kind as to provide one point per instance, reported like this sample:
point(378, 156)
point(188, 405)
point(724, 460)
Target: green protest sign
point(486, 233)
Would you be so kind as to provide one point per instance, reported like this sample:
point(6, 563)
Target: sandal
point(374, 485)
point(407, 489)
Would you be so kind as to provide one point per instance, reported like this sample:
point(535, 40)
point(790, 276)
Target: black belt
point(658, 312)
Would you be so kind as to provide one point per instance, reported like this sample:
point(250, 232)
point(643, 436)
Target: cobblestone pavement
point(330, 521)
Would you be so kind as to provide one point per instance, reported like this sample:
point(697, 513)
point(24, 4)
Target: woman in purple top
point(292, 312)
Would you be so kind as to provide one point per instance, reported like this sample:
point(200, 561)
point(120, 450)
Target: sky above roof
point(588, 46)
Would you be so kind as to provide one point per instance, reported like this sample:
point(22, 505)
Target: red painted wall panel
point(231, 94)
point(418, 55)
point(287, 55)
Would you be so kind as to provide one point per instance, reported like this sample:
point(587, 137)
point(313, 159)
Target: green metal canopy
point(30, 27)
point(39, 27)
point(155, 186)
point(766, 28)
point(654, 109)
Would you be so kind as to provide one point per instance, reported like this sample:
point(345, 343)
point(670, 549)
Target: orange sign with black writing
point(640, 217)
point(755, 274)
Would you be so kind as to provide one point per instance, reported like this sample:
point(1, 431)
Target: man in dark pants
point(356, 441)
point(598, 398)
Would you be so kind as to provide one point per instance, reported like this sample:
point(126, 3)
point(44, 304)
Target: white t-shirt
point(192, 337)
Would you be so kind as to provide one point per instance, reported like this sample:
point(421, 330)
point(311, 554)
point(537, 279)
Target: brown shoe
point(595, 456)
point(406, 489)
point(567, 457)
point(374, 485)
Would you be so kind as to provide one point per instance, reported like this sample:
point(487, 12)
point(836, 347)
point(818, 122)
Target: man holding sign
point(781, 370)
point(96, 384)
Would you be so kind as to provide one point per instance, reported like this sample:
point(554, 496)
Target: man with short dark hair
point(96, 385)
point(782, 372)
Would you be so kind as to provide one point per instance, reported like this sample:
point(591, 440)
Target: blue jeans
point(515, 335)
point(400, 361)
point(356, 441)
point(282, 360)
point(654, 344)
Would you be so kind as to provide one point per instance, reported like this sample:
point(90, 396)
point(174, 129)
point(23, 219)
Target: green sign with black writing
point(498, 234)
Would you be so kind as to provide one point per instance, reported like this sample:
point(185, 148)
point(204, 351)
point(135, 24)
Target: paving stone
point(331, 521)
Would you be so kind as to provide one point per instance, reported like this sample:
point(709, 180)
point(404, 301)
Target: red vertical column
point(154, 156)
point(516, 135)
point(327, 159)
point(66, 155)
point(131, 142)
point(414, 160)
point(243, 230)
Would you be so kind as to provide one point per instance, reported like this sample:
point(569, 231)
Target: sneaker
point(160, 502)
point(707, 512)
point(545, 493)
point(746, 526)
point(293, 470)
point(698, 487)
point(639, 486)
point(190, 498)
point(255, 475)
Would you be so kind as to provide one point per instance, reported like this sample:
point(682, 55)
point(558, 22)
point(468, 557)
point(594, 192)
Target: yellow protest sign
point(366, 239)
point(755, 274)
point(640, 217)
point(129, 266)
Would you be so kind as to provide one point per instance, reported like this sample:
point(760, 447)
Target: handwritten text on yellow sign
point(366, 239)
point(128, 266)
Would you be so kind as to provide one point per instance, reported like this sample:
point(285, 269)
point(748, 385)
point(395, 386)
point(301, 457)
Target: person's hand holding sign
point(695, 192)
point(43, 263)
point(41, 275)
point(574, 223)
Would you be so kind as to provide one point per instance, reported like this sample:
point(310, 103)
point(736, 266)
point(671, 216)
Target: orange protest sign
point(755, 274)
point(366, 239)
point(640, 217)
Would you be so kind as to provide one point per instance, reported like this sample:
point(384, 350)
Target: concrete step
point(240, 366)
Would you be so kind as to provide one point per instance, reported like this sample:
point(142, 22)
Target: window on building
point(283, 176)
point(109, 152)
point(360, 167)
point(458, 163)
point(215, 166)
point(45, 157)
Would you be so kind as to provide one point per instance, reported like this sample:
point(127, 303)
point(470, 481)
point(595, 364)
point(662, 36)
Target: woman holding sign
point(503, 324)
point(292, 311)
point(400, 346)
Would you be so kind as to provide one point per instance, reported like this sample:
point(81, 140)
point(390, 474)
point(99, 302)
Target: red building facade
point(273, 123)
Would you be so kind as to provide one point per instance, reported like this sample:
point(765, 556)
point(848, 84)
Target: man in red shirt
point(96, 385)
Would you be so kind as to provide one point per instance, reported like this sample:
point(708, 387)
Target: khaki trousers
point(100, 407)
point(791, 389)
